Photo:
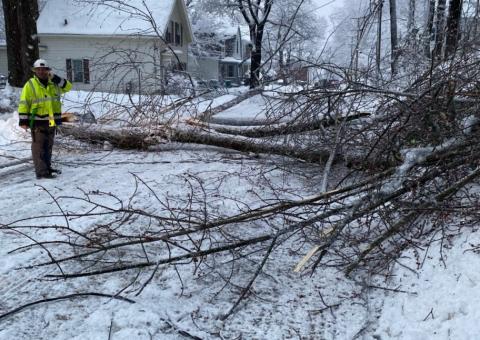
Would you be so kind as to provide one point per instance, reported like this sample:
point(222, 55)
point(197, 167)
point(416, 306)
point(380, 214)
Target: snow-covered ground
point(438, 301)
point(444, 297)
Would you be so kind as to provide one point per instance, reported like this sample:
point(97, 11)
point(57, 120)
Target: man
point(40, 110)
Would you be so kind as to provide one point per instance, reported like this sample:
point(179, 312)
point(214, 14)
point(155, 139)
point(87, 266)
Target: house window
point(174, 33)
point(177, 34)
point(78, 70)
point(229, 46)
point(181, 35)
point(231, 71)
point(169, 33)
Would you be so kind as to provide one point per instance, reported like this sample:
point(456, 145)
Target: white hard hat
point(40, 63)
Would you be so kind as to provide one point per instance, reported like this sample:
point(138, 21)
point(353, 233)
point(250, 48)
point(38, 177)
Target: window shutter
point(181, 35)
point(69, 70)
point(167, 34)
point(177, 34)
point(86, 71)
point(170, 32)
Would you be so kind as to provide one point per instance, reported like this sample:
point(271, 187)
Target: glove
point(58, 81)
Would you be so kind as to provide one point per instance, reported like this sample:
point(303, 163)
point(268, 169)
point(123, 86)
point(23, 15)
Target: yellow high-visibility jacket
point(40, 105)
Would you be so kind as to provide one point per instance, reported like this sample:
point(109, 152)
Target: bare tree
point(291, 29)
point(411, 16)
point(476, 18)
point(439, 30)
point(378, 59)
point(393, 36)
point(428, 34)
point(21, 35)
point(255, 13)
point(453, 26)
point(2, 23)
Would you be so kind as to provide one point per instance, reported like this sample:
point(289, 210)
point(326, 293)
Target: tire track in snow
point(22, 286)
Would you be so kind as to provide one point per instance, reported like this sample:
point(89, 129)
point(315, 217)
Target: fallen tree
point(280, 129)
point(356, 227)
point(136, 138)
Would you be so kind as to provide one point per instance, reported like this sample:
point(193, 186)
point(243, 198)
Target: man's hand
point(57, 80)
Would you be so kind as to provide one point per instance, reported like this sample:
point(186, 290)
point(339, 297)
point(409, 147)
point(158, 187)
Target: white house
point(225, 58)
point(114, 46)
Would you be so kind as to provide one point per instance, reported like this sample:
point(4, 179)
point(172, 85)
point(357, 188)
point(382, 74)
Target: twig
point(396, 290)
point(188, 335)
point(251, 215)
point(110, 329)
point(247, 288)
point(148, 280)
point(430, 313)
point(412, 216)
point(65, 297)
point(168, 260)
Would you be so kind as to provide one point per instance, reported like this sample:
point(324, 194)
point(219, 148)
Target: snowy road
point(286, 304)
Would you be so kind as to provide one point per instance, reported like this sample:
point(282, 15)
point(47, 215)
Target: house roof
point(89, 17)
point(222, 25)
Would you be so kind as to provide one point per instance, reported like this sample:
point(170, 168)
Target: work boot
point(48, 176)
point(53, 170)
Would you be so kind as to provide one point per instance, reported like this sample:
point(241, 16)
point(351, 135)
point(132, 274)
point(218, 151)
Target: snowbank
point(446, 299)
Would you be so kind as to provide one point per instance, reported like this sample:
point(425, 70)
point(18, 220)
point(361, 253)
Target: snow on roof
point(222, 25)
point(107, 18)
point(230, 60)
point(230, 28)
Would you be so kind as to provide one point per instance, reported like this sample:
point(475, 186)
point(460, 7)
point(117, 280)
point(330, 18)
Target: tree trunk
point(281, 129)
point(137, 138)
point(256, 33)
point(453, 25)
point(255, 13)
point(21, 36)
point(393, 35)
point(428, 33)
point(475, 21)
point(281, 59)
point(411, 17)
point(439, 30)
point(379, 38)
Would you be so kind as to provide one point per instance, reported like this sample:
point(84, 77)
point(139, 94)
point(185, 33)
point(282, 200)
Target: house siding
point(228, 64)
point(204, 68)
point(169, 57)
point(3, 61)
point(115, 63)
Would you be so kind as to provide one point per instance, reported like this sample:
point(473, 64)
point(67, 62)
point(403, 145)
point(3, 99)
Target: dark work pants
point(42, 144)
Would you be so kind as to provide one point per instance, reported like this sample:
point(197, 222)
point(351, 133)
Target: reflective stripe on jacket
point(40, 105)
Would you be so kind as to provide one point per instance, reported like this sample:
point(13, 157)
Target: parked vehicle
point(328, 83)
